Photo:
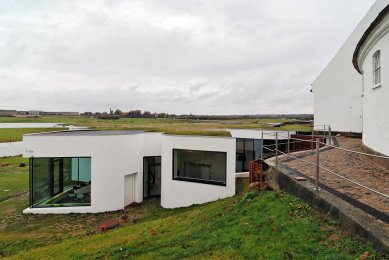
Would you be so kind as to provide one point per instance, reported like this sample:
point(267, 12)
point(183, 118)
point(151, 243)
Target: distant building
point(33, 112)
point(46, 113)
point(23, 112)
point(4, 112)
point(338, 89)
point(371, 60)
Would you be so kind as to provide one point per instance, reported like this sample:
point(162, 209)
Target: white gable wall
point(338, 89)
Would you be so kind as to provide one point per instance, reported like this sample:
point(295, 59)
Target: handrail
point(332, 172)
point(340, 148)
point(340, 176)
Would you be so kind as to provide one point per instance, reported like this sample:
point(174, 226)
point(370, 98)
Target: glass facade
point(246, 151)
point(200, 166)
point(60, 182)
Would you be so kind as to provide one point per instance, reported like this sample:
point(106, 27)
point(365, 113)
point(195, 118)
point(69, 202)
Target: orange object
point(108, 224)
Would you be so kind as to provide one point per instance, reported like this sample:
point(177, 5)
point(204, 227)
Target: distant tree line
point(115, 114)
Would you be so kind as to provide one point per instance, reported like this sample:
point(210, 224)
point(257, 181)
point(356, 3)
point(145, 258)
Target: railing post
point(288, 148)
point(329, 135)
point(317, 164)
point(312, 146)
point(324, 132)
point(262, 146)
point(276, 149)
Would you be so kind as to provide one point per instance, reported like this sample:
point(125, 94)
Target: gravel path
point(353, 166)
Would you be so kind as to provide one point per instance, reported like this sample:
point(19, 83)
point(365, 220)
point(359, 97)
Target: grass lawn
point(249, 225)
point(13, 179)
point(171, 126)
point(16, 134)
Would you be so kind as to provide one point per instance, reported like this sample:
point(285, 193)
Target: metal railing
point(317, 165)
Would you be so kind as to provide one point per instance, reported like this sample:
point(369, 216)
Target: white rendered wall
point(152, 144)
point(177, 193)
point(338, 89)
point(116, 156)
point(376, 100)
point(112, 157)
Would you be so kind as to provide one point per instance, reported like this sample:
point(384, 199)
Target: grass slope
point(269, 225)
point(16, 134)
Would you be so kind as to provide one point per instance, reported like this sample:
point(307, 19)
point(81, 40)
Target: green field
point(171, 126)
point(249, 225)
point(16, 134)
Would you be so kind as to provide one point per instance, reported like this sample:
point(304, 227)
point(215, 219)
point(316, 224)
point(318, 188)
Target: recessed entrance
point(152, 176)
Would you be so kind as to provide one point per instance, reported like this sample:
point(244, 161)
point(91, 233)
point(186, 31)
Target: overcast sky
point(175, 56)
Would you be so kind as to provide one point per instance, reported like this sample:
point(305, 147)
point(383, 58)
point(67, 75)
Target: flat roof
point(88, 133)
point(257, 134)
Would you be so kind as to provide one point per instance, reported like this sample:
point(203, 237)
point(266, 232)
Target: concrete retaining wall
point(352, 219)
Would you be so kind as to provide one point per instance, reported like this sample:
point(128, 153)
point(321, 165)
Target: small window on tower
point(377, 68)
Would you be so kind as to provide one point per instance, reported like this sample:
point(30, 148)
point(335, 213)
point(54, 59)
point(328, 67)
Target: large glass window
point(60, 182)
point(200, 166)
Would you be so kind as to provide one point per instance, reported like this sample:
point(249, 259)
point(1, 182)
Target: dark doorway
point(152, 176)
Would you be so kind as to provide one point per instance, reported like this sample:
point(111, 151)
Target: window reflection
point(60, 182)
point(200, 166)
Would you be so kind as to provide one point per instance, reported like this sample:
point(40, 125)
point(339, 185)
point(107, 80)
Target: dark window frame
point(195, 180)
point(31, 177)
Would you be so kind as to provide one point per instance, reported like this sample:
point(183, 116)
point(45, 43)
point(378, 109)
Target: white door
point(129, 189)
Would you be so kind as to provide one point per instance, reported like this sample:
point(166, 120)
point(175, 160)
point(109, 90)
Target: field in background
point(16, 134)
point(171, 126)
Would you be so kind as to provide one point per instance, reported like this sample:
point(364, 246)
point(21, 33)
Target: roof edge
point(366, 34)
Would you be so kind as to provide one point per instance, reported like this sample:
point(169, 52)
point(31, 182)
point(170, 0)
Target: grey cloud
point(204, 57)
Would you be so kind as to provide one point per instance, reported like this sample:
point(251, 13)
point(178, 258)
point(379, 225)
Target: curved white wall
point(338, 89)
point(176, 193)
point(376, 100)
point(112, 157)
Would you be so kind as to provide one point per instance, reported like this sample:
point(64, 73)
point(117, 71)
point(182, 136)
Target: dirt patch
point(356, 167)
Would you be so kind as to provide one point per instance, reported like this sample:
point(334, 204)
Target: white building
point(97, 171)
point(371, 59)
point(338, 89)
